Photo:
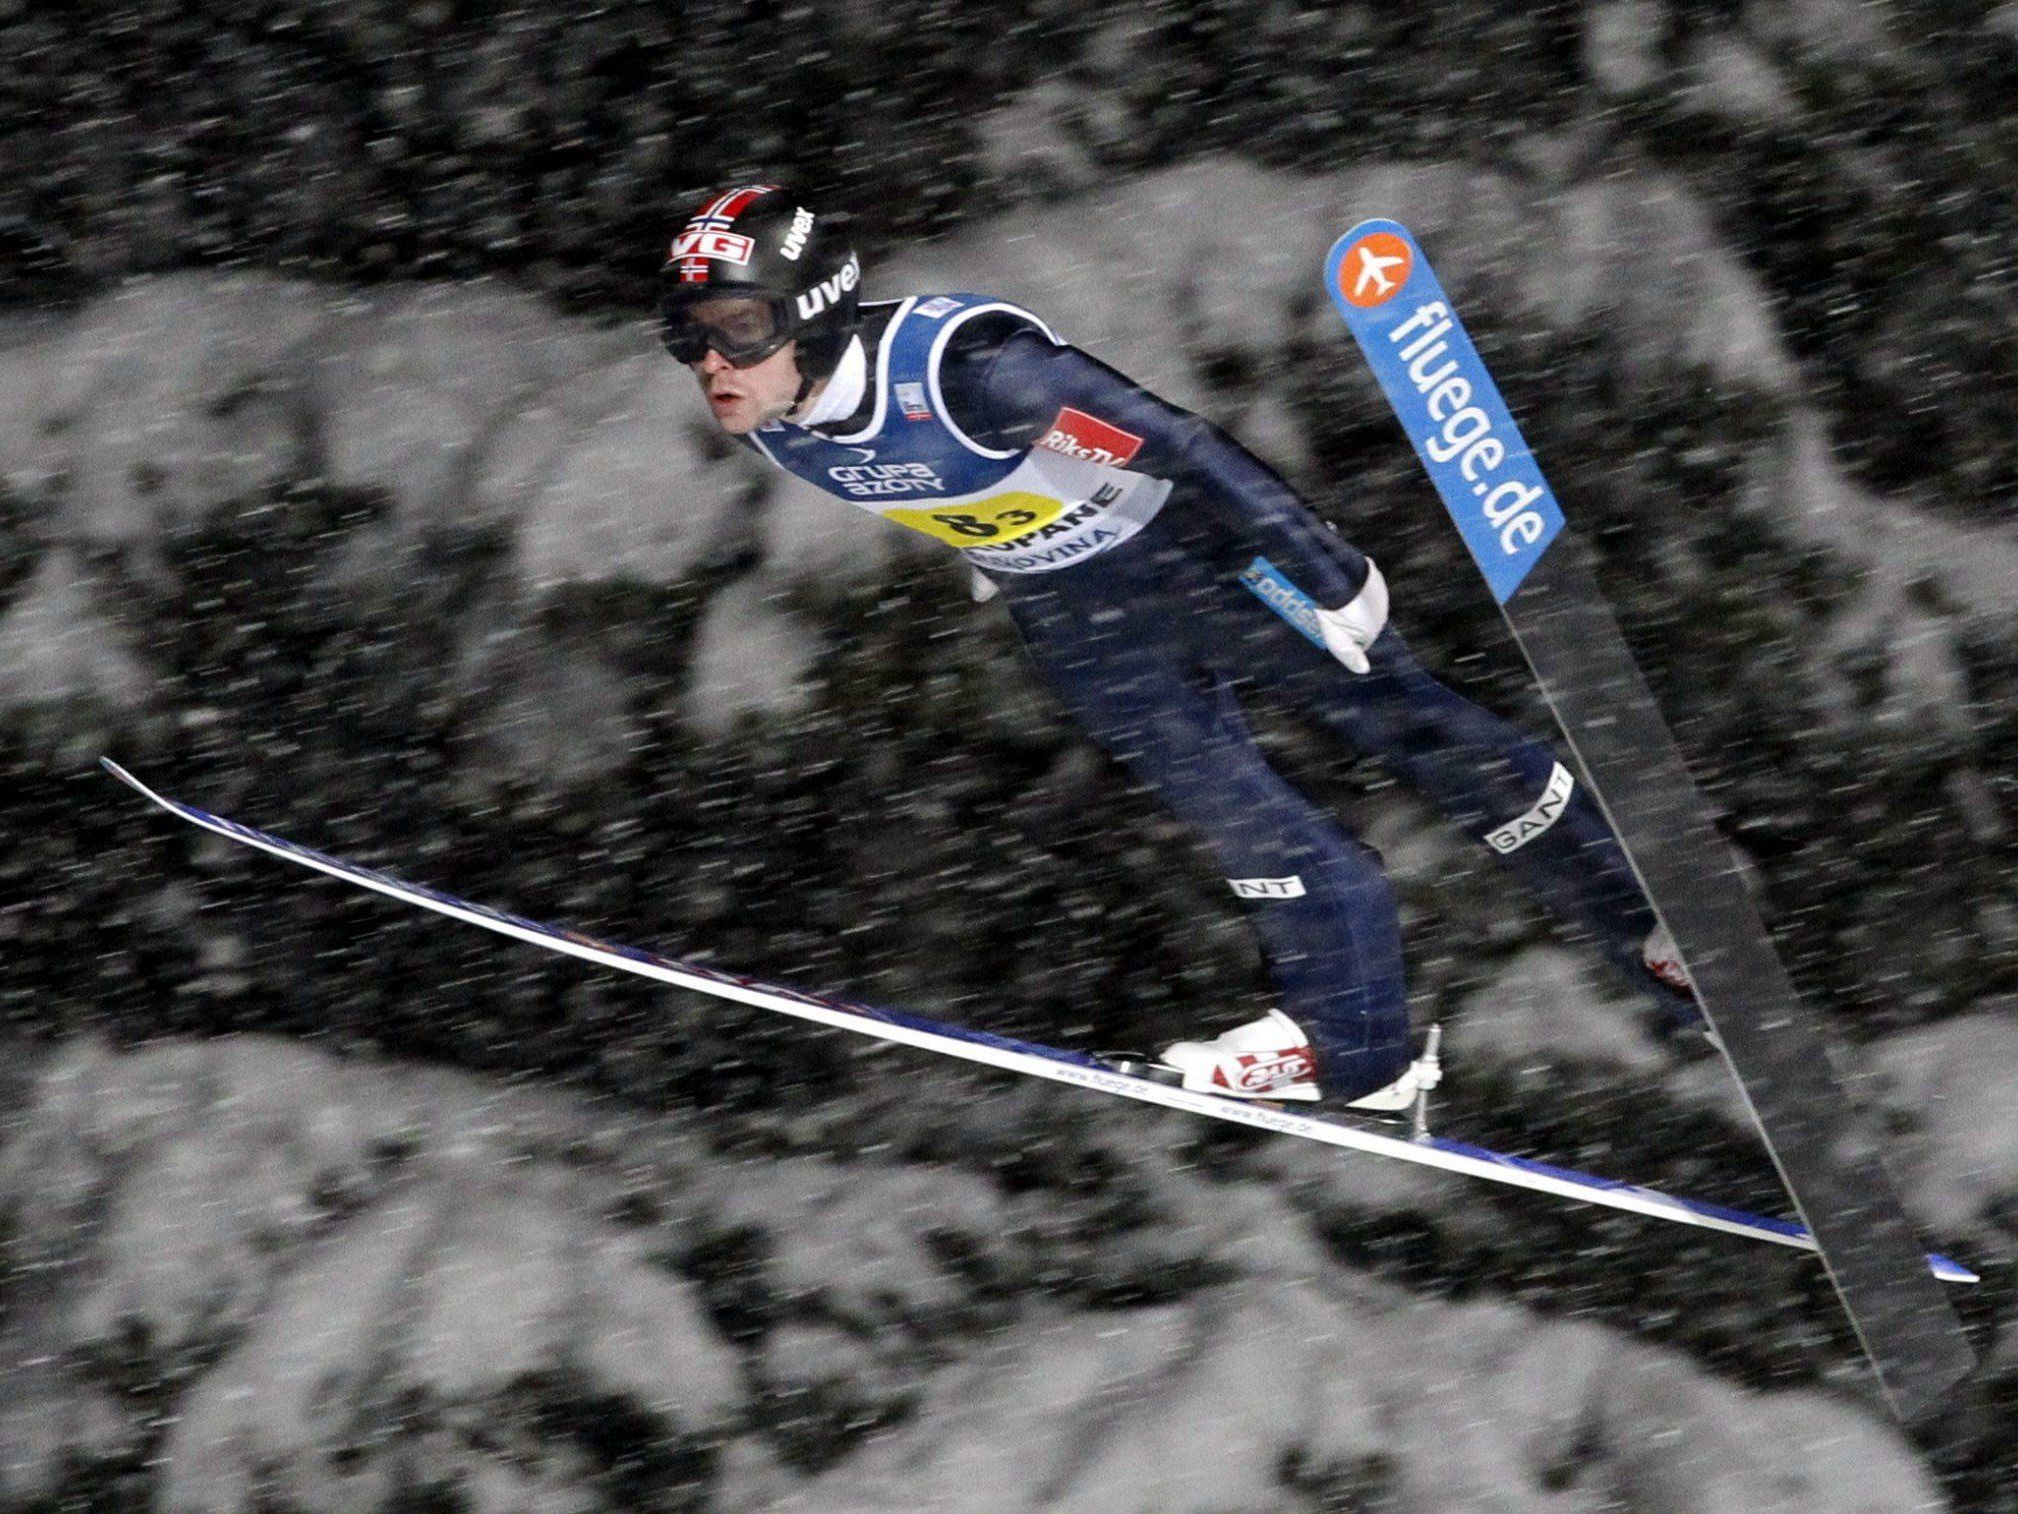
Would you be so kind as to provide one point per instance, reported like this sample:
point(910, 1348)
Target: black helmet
point(760, 242)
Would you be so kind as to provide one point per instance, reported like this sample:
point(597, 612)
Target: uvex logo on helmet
point(829, 290)
point(795, 239)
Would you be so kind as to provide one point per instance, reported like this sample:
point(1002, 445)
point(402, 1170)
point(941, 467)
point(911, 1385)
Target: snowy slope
point(360, 1281)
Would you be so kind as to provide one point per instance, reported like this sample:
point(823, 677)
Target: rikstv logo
point(1374, 268)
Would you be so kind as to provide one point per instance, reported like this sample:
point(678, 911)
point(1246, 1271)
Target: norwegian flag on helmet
point(708, 235)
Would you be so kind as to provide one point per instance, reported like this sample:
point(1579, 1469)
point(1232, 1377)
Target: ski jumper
point(1155, 570)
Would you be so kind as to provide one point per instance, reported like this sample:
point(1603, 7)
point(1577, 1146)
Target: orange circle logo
point(1374, 268)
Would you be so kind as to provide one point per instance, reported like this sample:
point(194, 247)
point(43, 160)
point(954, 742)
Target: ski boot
point(1269, 1058)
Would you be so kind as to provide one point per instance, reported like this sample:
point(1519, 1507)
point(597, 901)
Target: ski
point(1032, 1059)
point(1540, 575)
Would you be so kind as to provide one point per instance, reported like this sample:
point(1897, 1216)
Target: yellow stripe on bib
point(998, 519)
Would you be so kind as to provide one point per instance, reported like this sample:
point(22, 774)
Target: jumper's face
point(742, 399)
point(740, 354)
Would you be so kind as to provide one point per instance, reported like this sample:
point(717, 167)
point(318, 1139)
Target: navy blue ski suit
point(1146, 617)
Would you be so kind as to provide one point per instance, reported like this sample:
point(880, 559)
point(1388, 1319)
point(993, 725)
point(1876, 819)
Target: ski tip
point(120, 773)
point(133, 783)
point(1950, 1271)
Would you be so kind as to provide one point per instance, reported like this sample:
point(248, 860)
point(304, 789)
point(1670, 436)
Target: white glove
point(1352, 627)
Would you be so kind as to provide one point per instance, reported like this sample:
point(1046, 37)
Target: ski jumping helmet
point(760, 243)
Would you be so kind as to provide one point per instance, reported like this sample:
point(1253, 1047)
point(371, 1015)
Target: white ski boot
point(1269, 1058)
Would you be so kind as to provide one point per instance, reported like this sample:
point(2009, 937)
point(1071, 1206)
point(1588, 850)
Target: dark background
point(870, 841)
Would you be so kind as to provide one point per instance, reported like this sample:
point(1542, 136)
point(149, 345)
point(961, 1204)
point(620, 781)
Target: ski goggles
point(745, 329)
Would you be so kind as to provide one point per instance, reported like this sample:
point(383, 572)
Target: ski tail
point(1537, 570)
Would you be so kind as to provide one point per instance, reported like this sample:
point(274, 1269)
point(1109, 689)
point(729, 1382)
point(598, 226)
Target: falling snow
point(345, 489)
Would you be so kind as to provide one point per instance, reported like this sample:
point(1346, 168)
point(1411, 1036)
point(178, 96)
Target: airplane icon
point(1373, 270)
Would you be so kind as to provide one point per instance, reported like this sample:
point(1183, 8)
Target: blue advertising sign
point(1445, 400)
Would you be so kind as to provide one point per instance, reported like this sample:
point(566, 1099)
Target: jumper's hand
point(1352, 627)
